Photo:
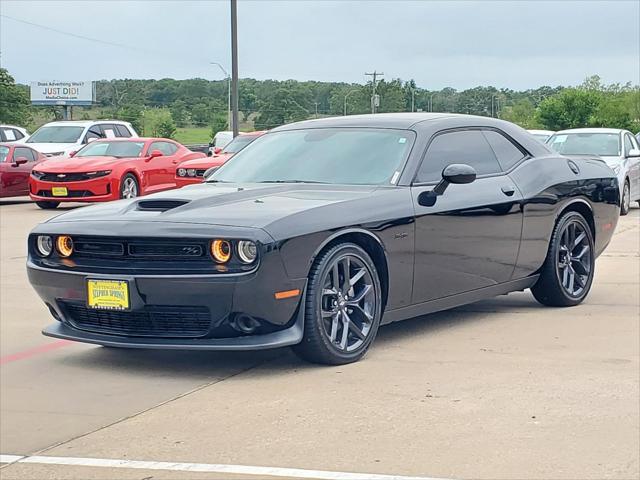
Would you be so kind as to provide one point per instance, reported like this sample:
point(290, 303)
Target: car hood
point(77, 164)
point(206, 162)
point(238, 205)
point(612, 161)
point(52, 147)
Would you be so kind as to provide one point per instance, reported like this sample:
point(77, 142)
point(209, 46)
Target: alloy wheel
point(626, 197)
point(129, 188)
point(574, 259)
point(348, 303)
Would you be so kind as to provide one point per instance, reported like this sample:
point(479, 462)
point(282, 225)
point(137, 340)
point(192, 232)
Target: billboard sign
point(63, 93)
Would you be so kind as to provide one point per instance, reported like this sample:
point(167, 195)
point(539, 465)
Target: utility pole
point(316, 104)
point(234, 66)
point(374, 98)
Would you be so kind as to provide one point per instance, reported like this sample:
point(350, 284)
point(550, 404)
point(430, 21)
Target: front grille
point(64, 177)
point(152, 321)
point(139, 248)
point(70, 194)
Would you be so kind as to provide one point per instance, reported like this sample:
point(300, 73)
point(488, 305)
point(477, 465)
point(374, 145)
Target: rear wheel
point(567, 274)
point(47, 205)
point(129, 187)
point(343, 306)
point(625, 204)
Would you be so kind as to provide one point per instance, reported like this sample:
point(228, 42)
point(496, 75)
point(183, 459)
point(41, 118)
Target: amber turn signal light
point(287, 294)
point(221, 251)
point(64, 245)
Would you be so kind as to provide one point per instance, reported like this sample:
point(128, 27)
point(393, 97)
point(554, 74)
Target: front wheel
point(567, 273)
point(129, 187)
point(343, 306)
point(625, 204)
point(48, 205)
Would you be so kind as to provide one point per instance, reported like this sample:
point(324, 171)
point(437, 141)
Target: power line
point(96, 40)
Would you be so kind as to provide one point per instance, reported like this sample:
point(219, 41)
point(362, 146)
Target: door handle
point(508, 190)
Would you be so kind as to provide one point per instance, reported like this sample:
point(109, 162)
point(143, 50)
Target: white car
point(542, 135)
point(62, 138)
point(11, 133)
point(618, 148)
point(220, 140)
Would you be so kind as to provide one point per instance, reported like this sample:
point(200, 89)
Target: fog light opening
point(245, 324)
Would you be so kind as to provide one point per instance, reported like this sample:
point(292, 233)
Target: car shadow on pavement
point(208, 365)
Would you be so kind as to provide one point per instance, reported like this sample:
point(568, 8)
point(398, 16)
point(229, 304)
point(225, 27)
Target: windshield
point(603, 144)
point(4, 153)
point(362, 156)
point(239, 143)
point(120, 149)
point(56, 134)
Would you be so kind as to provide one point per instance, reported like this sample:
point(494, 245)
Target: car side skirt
point(457, 300)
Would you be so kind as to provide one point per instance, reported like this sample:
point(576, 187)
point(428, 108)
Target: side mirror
point(457, 173)
point(155, 153)
point(634, 152)
point(19, 161)
point(217, 150)
point(72, 154)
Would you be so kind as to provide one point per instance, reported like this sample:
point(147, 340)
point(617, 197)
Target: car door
point(630, 143)
point(20, 177)
point(162, 169)
point(470, 237)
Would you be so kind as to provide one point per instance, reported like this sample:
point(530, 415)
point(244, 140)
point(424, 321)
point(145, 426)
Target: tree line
point(157, 107)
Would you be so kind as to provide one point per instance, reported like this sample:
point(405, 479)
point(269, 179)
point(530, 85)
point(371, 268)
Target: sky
point(460, 44)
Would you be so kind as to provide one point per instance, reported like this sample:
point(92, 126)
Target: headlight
point(221, 251)
point(64, 245)
point(182, 172)
point(191, 172)
point(100, 173)
point(44, 245)
point(36, 174)
point(247, 251)
point(616, 169)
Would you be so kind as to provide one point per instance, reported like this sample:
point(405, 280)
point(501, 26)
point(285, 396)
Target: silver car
point(618, 148)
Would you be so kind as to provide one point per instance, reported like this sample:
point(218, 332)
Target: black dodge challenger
point(321, 231)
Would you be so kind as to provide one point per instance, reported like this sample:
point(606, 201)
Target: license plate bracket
point(108, 294)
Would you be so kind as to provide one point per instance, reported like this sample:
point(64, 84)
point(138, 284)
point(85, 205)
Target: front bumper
point(223, 296)
point(101, 189)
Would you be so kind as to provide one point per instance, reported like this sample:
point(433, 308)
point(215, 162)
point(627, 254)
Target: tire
point(625, 203)
point(325, 340)
point(47, 205)
point(567, 273)
point(129, 186)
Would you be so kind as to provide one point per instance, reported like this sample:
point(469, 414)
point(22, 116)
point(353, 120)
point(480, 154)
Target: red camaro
point(16, 162)
point(192, 171)
point(108, 170)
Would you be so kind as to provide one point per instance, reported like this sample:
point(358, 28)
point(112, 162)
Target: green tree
point(571, 108)
point(158, 122)
point(15, 106)
point(522, 113)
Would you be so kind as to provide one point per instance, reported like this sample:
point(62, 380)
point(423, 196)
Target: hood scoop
point(160, 205)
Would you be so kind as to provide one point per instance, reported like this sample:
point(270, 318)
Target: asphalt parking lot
point(499, 389)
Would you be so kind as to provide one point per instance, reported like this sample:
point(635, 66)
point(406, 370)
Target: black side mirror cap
point(457, 173)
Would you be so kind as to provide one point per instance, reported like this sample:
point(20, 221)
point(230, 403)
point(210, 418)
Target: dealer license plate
point(59, 191)
point(108, 294)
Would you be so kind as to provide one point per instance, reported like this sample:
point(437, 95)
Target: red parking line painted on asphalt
point(32, 352)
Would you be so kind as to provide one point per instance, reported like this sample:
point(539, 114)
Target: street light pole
point(228, 77)
point(234, 66)
point(345, 101)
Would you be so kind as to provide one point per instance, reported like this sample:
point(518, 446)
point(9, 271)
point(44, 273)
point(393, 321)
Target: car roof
point(84, 123)
point(545, 132)
point(135, 139)
point(379, 120)
point(592, 130)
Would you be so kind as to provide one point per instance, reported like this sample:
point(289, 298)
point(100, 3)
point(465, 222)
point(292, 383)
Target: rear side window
point(506, 152)
point(122, 131)
point(93, 132)
point(465, 146)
